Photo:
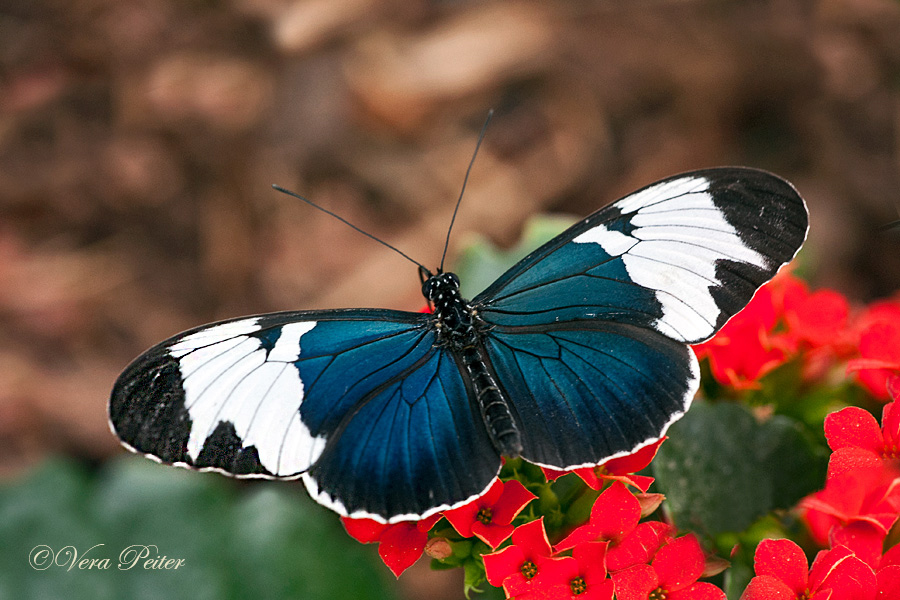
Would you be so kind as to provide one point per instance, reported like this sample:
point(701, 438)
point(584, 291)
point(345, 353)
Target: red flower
point(818, 324)
point(743, 351)
point(399, 545)
point(614, 519)
point(518, 567)
point(489, 517)
point(616, 469)
point(615, 514)
point(858, 441)
point(579, 577)
point(819, 319)
point(865, 540)
point(639, 546)
point(865, 494)
point(781, 574)
point(672, 575)
point(879, 349)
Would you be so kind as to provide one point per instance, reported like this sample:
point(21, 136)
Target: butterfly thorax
point(454, 317)
point(460, 329)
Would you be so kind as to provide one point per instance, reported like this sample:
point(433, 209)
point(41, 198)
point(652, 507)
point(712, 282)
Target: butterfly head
point(440, 286)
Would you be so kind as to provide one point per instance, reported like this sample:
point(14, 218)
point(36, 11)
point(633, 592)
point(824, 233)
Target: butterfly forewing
point(680, 256)
point(360, 404)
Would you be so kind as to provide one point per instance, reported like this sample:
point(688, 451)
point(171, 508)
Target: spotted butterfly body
point(578, 354)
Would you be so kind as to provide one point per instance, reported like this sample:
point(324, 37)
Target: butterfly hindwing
point(359, 403)
point(588, 393)
point(681, 256)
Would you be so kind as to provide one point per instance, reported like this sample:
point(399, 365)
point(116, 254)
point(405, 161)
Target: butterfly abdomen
point(493, 404)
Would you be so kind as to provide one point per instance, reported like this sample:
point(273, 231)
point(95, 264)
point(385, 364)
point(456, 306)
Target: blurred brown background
point(139, 140)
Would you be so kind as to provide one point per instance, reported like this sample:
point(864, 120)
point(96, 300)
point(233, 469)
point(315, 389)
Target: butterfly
point(577, 354)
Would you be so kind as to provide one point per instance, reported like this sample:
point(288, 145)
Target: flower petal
point(890, 420)
point(555, 577)
point(888, 580)
point(891, 557)
point(462, 518)
point(767, 587)
point(783, 560)
point(679, 563)
point(532, 538)
point(500, 565)
point(511, 501)
point(429, 522)
point(881, 342)
point(553, 474)
point(589, 477)
point(635, 583)
point(853, 426)
point(492, 535)
point(893, 386)
point(614, 515)
point(863, 538)
point(364, 531)
point(697, 591)
point(639, 546)
point(850, 459)
point(591, 558)
point(601, 590)
point(401, 545)
point(820, 318)
point(848, 577)
point(530, 543)
point(635, 461)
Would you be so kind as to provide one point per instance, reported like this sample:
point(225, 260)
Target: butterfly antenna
point(346, 222)
point(465, 181)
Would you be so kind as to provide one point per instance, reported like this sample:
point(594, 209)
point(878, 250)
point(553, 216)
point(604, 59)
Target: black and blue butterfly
point(577, 354)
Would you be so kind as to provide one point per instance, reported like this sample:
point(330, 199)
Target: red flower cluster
point(748, 347)
point(615, 555)
point(879, 347)
point(836, 574)
point(488, 518)
point(611, 553)
point(785, 320)
point(851, 517)
point(861, 499)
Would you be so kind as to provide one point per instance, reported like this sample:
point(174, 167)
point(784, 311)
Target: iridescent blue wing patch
point(359, 404)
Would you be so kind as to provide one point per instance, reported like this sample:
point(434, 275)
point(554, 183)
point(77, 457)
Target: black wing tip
point(147, 410)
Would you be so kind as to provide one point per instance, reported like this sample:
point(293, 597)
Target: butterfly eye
point(429, 288)
point(453, 279)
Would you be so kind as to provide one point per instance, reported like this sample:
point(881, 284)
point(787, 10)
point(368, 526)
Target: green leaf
point(481, 262)
point(262, 540)
point(721, 470)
